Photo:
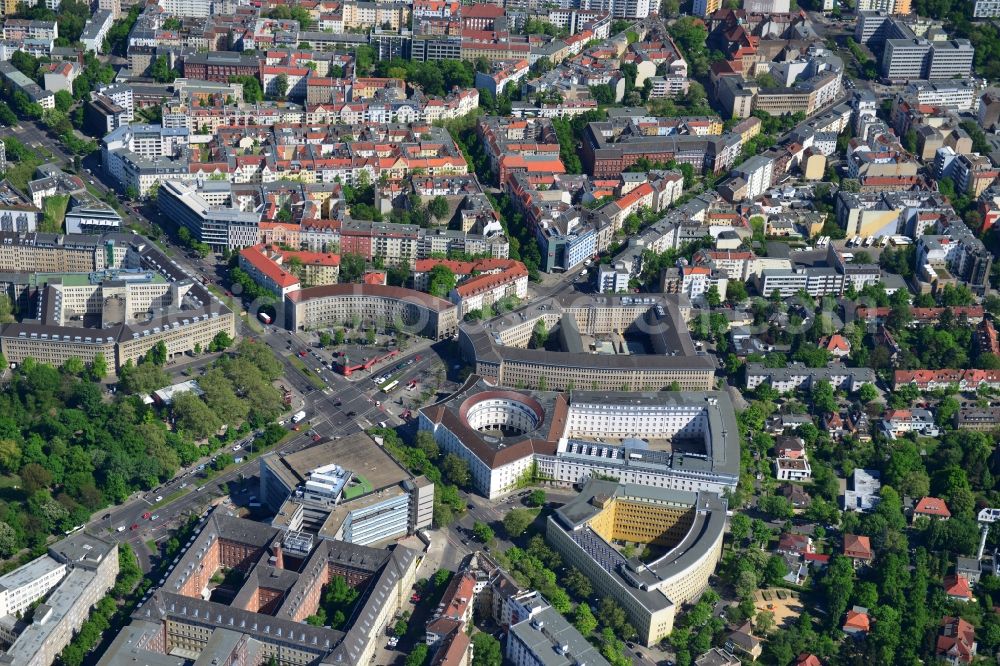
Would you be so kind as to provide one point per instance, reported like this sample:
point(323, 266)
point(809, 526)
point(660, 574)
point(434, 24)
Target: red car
point(146, 515)
point(316, 438)
point(417, 357)
point(135, 526)
point(415, 599)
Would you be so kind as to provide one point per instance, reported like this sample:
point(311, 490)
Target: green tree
point(221, 342)
point(823, 398)
point(161, 71)
point(578, 584)
point(64, 100)
point(764, 622)
point(281, 86)
point(157, 355)
point(438, 207)
point(712, 297)
point(516, 522)
point(584, 620)
point(776, 570)
point(486, 650)
point(739, 528)
point(455, 469)
point(736, 292)
point(419, 655)
point(442, 281)
point(483, 532)
point(776, 506)
point(867, 393)
point(536, 497)
point(193, 416)
point(9, 543)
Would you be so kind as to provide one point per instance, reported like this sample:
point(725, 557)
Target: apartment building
point(930, 380)
point(797, 377)
point(705, 8)
point(188, 8)
point(887, 6)
point(546, 638)
point(76, 573)
point(16, 79)
point(757, 172)
point(986, 8)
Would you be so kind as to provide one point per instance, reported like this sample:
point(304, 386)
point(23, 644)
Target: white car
point(237, 447)
point(121, 528)
point(159, 498)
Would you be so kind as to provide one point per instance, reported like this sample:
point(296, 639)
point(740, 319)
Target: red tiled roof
point(856, 546)
point(957, 586)
point(859, 621)
point(271, 270)
point(488, 281)
point(932, 506)
point(957, 639)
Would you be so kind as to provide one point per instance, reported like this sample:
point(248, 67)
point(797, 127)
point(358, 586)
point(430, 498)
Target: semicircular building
point(682, 532)
point(681, 440)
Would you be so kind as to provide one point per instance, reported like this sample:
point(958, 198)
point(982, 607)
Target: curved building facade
point(683, 529)
point(681, 440)
point(337, 304)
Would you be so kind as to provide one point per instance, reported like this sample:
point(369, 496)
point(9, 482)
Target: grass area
point(54, 213)
point(361, 487)
point(310, 375)
point(172, 497)
point(151, 544)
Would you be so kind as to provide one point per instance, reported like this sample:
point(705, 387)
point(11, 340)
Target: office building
point(337, 305)
point(283, 577)
point(685, 529)
point(92, 217)
point(219, 226)
point(116, 295)
point(347, 489)
point(503, 434)
point(664, 353)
